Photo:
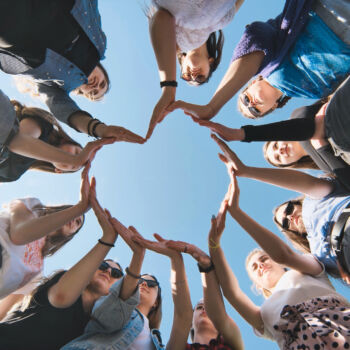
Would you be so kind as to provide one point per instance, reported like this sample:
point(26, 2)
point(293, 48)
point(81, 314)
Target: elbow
point(59, 299)
point(161, 16)
point(16, 238)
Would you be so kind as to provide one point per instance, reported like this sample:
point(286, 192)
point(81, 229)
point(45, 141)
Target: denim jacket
point(8, 121)
point(114, 324)
point(57, 76)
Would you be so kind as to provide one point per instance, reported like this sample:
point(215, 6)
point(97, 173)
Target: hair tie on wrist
point(89, 125)
point(168, 83)
point(128, 272)
point(207, 269)
point(215, 245)
point(105, 243)
point(93, 130)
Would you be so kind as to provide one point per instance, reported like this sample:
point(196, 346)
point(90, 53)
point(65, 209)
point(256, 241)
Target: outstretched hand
point(89, 151)
point(85, 188)
point(202, 258)
point(205, 112)
point(128, 234)
point(118, 133)
point(161, 110)
point(231, 157)
point(160, 246)
point(228, 134)
point(103, 215)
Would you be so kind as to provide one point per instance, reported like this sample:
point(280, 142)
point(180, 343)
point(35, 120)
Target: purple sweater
point(274, 37)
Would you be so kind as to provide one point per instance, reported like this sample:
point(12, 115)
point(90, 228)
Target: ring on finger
point(185, 249)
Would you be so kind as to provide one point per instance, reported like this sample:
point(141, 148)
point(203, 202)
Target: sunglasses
point(115, 272)
point(247, 102)
point(289, 210)
point(200, 79)
point(150, 283)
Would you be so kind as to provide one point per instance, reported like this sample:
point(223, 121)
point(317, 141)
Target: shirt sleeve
point(58, 101)
point(111, 313)
point(286, 130)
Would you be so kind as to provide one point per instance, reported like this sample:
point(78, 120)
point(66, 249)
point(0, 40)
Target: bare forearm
point(162, 31)
point(70, 286)
point(180, 289)
point(129, 282)
point(80, 120)
point(238, 74)
point(31, 230)
point(292, 180)
point(268, 241)
point(31, 147)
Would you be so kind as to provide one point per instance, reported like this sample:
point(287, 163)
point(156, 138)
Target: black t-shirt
point(42, 326)
point(45, 24)
point(12, 165)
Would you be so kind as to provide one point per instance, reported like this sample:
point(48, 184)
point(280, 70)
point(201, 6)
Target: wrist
point(213, 109)
point(108, 239)
point(100, 130)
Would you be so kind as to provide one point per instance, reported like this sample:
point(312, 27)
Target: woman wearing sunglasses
point(317, 223)
point(186, 30)
point(30, 232)
point(129, 317)
point(209, 325)
point(302, 310)
point(59, 309)
point(314, 138)
point(282, 51)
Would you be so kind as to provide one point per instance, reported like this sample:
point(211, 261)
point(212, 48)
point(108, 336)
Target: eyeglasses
point(200, 78)
point(150, 283)
point(247, 102)
point(289, 210)
point(115, 272)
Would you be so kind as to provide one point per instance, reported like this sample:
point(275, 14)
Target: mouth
point(105, 277)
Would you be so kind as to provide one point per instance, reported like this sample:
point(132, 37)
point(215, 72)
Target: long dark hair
point(214, 45)
point(56, 240)
point(58, 136)
point(155, 314)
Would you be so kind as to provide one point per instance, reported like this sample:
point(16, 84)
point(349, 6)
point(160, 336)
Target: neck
point(277, 92)
point(205, 335)
point(144, 309)
point(89, 298)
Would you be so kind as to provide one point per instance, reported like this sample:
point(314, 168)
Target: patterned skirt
point(317, 324)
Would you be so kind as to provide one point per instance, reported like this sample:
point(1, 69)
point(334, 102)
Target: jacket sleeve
point(58, 101)
point(8, 121)
point(111, 313)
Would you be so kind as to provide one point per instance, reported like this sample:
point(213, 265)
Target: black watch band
point(168, 83)
point(207, 269)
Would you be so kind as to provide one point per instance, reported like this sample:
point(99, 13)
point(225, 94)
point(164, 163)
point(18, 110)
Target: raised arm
point(70, 286)
point(25, 228)
point(162, 32)
point(227, 279)
point(180, 292)
point(239, 73)
point(290, 179)
point(28, 145)
point(279, 251)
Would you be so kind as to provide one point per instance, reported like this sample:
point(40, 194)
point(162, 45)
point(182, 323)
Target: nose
point(281, 149)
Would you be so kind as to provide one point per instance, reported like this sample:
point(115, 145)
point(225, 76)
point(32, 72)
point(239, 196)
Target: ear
point(211, 60)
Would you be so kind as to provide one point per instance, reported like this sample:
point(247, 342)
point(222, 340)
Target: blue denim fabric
point(315, 65)
point(318, 217)
point(114, 324)
point(57, 76)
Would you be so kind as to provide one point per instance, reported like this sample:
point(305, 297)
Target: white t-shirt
point(293, 288)
point(195, 20)
point(20, 263)
point(143, 341)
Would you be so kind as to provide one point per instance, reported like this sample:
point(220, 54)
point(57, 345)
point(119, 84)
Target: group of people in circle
point(302, 52)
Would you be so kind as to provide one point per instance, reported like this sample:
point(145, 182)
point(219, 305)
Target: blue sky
point(173, 184)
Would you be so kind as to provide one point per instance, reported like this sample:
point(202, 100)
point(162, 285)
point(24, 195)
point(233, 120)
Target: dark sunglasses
point(289, 210)
point(150, 283)
point(253, 110)
point(115, 272)
point(200, 79)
